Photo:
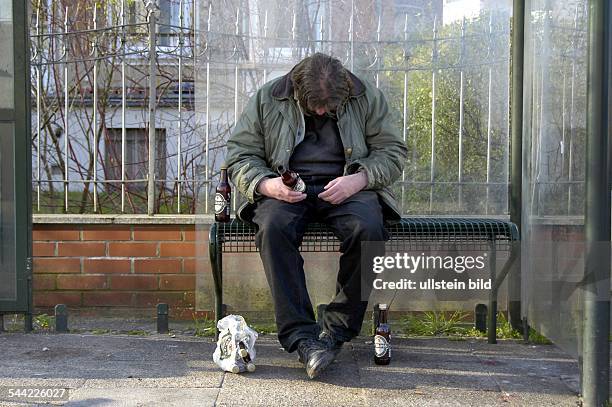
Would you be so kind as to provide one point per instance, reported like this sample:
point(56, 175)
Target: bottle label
point(300, 186)
point(381, 346)
point(220, 203)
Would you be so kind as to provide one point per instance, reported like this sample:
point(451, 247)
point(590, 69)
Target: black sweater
point(319, 158)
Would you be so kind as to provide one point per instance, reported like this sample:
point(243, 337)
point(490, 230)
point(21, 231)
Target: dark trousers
point(281, 226)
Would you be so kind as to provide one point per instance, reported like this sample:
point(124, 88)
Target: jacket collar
point(283, 89)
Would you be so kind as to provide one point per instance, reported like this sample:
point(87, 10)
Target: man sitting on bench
point(335, 130)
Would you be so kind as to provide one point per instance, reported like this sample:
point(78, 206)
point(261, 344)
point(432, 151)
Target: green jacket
point(272, 124)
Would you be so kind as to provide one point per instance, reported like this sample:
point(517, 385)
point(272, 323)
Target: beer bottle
point(244, 354)
point(223, 196)
point(382, 338)
point(292, 179)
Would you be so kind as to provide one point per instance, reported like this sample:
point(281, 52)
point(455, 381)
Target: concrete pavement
point(160, 370)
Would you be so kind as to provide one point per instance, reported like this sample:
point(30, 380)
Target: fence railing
point(173, 93)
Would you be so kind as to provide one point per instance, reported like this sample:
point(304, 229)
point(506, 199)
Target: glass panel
point(443, 67)
point(440, 62)
point(6, 62)
point(554, 128)
point(8, 271)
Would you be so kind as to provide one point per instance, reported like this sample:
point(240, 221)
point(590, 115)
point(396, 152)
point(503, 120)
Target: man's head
point(321, 83)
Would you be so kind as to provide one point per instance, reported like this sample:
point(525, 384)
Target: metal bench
point(409, 234)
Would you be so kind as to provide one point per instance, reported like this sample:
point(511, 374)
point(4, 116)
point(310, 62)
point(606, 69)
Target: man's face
point(320, 111)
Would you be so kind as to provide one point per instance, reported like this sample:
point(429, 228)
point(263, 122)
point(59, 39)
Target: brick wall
point(128, 267)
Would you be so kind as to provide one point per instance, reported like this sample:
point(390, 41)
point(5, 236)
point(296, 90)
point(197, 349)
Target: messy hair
point(321, 81)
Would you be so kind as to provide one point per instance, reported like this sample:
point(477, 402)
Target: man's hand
point(342, 188)
point(274, 188)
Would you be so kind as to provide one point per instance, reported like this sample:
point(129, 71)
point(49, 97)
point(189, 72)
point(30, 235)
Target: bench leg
point(492, 325)
point(216, 261)
point(497, 280)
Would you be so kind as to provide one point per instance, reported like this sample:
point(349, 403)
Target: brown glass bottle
point(246, 358)
point(292, 179)
point(223, 196)
point(382, 338)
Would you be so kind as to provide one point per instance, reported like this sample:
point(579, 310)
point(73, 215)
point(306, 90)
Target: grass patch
point(137, 332)
point(453, 326)
point(434, 323)
point(43, 322)
point(504, 329)
point(538, 338)
point(100, 331)
point(457, 338)
point(204, 327)
point(264, 328)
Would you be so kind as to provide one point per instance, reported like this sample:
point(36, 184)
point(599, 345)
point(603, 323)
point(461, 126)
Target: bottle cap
point(382, 306)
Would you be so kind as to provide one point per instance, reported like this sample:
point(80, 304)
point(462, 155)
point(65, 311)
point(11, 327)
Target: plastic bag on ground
point(235, 350)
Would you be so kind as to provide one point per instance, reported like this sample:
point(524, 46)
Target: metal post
point(461, 107)
point(180, 109)
point(378, 52)
point(405, 105)
point(492, 311)
point(38, 54)
point(236, 75)
point(489, 97)
point(596, 348)
point(293, 35)
point(28, 317)
point(207, 129)
point(352, 35)
point(66, 108)
point(375, 317)
point(516, 165)
point(321, 36)
point(330, 26)
point(152, 102)
point(265, 48)
point(434, 57)
point(95, 108)
point(123, 104)
point(570, 158)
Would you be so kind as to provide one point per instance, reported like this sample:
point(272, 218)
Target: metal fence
point(132, 111)
point(88, 78)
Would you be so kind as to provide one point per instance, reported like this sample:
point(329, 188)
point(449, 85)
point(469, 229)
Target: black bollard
point(480, 317)
point(525, 330)
point(61, 318)
point(162, 318)
point(375, 315)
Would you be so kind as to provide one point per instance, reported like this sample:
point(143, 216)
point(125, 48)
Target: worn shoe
point(330, 342)
point(315, 355)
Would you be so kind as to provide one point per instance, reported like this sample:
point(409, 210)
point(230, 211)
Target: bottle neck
point(383, 316)
point(223, 175)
